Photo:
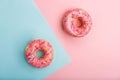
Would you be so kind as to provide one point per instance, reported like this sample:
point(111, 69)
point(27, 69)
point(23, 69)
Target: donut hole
point(39, 54)
point(78, 22)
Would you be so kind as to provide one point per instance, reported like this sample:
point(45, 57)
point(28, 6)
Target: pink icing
point(77, 22)
point(35, 46)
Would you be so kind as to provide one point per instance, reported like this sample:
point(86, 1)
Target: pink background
point(95, 56)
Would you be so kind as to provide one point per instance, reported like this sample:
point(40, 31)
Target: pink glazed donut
point(77, 22)
point(39, 45)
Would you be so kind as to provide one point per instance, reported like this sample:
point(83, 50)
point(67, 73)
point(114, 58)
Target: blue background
point(21, 22)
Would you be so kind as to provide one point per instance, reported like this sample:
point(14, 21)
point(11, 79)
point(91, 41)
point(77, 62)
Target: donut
point(77, 22)
point(39, 45)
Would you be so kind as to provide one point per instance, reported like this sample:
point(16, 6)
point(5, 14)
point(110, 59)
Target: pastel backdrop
point(97, 55)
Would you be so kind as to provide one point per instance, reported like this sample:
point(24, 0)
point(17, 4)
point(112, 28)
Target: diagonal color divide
point(21, 22)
